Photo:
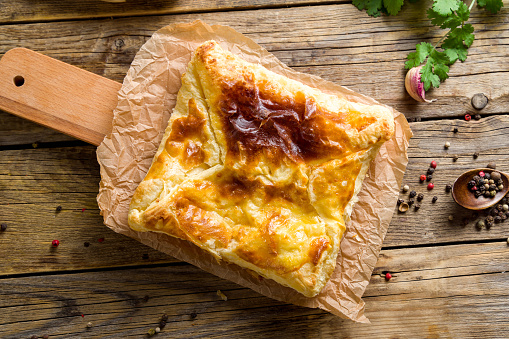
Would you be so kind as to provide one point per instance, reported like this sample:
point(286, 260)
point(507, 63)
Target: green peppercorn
point(493, 193)
point(480, 224)
point(151, 332)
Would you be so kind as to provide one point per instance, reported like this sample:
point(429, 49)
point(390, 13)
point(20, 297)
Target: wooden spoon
point(467, 199)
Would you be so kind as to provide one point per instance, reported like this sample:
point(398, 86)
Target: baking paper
point(145, 102)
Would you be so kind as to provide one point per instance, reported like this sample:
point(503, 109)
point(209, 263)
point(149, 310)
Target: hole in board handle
point(19, 80)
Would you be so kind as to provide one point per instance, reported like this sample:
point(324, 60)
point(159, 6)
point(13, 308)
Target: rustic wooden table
point(449, 279)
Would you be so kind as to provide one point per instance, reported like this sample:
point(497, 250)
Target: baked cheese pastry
point(259, 170)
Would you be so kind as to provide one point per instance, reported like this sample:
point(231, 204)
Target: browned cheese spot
point(318, 246)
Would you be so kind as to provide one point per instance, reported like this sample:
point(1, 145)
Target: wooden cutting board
point(57, 95)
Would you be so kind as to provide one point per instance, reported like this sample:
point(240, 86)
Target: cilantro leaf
point(445, 7)
point(416, 58)
point(441, 70)
point(373, 7)
point(449, 21)
point(360, 4)
point(393, 6)
point(491, 5)
point(463, 12)
point(427, 76)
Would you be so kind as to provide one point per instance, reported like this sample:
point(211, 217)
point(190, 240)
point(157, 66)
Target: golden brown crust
point(259, 170)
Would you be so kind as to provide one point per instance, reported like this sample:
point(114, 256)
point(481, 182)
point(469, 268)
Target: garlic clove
point(414, 86)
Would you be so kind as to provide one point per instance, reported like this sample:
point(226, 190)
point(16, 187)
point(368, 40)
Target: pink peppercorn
point(481, 174)
point(430, 186)
point(388, 276)
point(55, 243)
point(422, 178)
point(433, 164)
point(467, 117)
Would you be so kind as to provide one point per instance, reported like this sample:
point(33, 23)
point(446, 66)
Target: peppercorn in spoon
point(467, 190)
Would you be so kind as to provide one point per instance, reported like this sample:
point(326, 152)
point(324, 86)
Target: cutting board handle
point(57, 95)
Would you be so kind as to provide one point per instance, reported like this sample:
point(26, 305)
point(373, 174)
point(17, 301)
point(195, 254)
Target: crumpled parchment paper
point(146, 100)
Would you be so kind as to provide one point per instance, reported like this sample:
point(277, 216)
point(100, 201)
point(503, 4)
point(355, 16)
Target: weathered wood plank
point(40, 10)
point(32, 186)
point(34, 182)
point(337, 42)
point(451, 291)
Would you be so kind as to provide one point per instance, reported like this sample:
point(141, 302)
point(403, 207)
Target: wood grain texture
point(57, 95)
point(337, 42)
point(41, 10)
point(34, 181)
point(455, 291)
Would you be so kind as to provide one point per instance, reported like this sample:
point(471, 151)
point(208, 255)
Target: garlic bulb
point(414, 86)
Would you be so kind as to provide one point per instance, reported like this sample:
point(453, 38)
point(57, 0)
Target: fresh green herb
point(453, 46)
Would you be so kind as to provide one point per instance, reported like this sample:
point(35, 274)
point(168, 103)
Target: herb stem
point(441, 39)
point(471, 5)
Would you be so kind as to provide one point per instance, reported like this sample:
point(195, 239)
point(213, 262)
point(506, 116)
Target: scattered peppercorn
point(45, 336)
point(412, 194)
point(455, 158)
point(162, 324)
point(489, 224)
point(83, 210)
point(89, 324)
point(100, 239)
point(388, 276)
point(59, 209)
point(498, 219)
point(400, 201)
point(505, 207)
point(434, 199)
point(55, 243)
point(455, 130)
point(447, 145)
point(429, 177)
point(451, 217)
point(468, 117)
point(480, 224)
point(433, 164)
point(164, 317)
point(417, 206)
point(490, 218)
point(193, 315)
point(3, 227)
point(422, 178)
point(86, 244)
point(151, 332)
point(157, 329)
point(410, 201)
point(476, 155)
point(406, 188)
point(33, 337)
point(35, 144)
point(492, 165)
point(448, 187)
point(431, 170)
point(420, 196)
point(431, 186)
point(477, 117)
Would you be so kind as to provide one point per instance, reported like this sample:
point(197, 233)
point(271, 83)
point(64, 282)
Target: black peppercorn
point(3, 227)
point(410, 202)
point(434, 199)
point(499, 207)
point(471, 184)
point(477, 194)
point(487, 194)
point(86, 244)
point(490, 218)
point(455, 130)
point(164, 317)
point(476, 155)
point(455, 158)
point(59, 209)
point(503, 216)
point(431, 170)
point(429, 177)
point(420, 196)
point(487, 176)
point(504, 200)
point(448, 187)
point(412, 194)
point(489, 224)
point(498, 219)
point(493, 212)
point(162, 324)
point(417, 206)
point(193, 315)
point(477, 117)
point(400, 201)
